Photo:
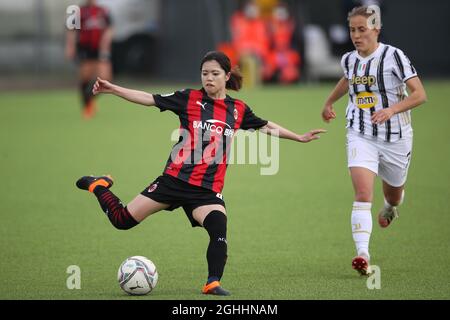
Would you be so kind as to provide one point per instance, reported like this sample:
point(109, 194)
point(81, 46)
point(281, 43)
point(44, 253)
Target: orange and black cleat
point(90, 182)
point(89, 110)
point(215, 289)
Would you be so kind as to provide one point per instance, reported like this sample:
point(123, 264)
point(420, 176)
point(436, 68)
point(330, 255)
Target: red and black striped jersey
point(207, 126)
point(94, 21)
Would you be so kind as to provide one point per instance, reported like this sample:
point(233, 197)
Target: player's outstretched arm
point(338, 92)
point(136, 96)
point(274, 129)
point(69, 51)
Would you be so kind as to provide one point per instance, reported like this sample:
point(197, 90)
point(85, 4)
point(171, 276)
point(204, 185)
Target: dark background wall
point(422, 30)
point(191, 28)
point(188, 30)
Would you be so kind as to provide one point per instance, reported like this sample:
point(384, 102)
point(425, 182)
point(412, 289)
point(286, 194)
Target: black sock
point(216, 225)
point(86, 91)
point(119, 215)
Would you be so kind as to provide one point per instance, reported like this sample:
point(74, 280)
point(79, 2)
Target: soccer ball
point(137, 275)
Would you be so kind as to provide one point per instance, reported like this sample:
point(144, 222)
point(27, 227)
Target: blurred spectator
point(263, 45)
point(250, 40)
point(91, 48)
point(283, 62)
point(266, 7)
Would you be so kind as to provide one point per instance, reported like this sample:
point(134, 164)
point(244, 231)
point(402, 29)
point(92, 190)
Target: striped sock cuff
point(362, 206)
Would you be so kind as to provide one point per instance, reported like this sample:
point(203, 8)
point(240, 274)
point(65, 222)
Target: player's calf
point(118, 215)
point(216, 225)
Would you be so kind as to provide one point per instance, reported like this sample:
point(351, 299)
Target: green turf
point(289, 234)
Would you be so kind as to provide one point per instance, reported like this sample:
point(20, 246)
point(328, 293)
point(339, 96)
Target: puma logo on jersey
point(202, 104)
point(370, 80)
point(235, 114)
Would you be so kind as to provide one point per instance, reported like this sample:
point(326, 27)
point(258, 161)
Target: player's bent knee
point(215, 223)
point(122, 227)
point(121, 219)
point(363, 195)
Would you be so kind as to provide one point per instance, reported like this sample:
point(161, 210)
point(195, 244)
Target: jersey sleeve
point(251, 121)
point(403, 67)
point(345, 64)
point(175, 101)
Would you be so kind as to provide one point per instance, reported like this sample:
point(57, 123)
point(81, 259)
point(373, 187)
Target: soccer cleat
point(89, 110)
point(386, 216)
point(361, 264)
point(215, 289)
point(90, 182)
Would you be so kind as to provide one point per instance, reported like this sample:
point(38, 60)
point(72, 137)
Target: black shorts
point(86, 53)
point(177, 193)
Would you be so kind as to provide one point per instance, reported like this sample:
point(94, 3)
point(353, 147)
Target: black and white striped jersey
point(377, 82)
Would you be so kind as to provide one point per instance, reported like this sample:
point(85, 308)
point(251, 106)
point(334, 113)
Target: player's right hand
point(102, 86)
point(328, 113)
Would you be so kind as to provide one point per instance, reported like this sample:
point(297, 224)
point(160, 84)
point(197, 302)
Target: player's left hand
point(382, 116)
point(312, 135)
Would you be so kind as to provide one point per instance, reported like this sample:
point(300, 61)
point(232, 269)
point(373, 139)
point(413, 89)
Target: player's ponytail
point(235, 81)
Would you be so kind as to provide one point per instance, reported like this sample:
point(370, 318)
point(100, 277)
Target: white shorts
point(389, 160)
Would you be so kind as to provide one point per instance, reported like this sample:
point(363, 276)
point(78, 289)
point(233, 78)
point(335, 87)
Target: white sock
point(387, 205)
point(362, 226)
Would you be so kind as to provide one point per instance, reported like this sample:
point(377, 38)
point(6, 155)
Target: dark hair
point(235, 81)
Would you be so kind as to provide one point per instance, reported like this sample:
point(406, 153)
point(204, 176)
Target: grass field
point(289, 234)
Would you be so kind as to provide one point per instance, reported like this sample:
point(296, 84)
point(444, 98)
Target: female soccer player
point(91, 46)
point(379, 136)
point(195, 171)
